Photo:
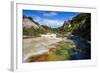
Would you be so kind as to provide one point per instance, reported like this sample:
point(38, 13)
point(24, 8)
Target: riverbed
point(38, 46)
point(55, 49)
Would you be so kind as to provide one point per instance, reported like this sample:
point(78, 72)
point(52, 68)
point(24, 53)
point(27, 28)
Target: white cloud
point(52, 23)
point(50, 14)
point(49, 22)
point(37, 18)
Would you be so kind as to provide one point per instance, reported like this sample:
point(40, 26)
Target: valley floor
point(54, 49)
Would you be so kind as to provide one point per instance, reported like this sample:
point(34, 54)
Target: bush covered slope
point(80, 25)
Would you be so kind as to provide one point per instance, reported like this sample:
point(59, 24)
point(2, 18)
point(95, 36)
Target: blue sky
point(50, 18)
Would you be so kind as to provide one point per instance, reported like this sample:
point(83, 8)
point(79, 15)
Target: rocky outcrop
point(28, 22)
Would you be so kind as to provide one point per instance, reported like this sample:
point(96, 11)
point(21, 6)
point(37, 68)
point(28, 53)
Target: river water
point(40, 45)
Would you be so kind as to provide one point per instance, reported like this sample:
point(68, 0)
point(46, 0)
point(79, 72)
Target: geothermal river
point(38, 45)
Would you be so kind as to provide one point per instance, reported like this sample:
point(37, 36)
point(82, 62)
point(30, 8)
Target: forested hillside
point(71, 41)
point(80, 25)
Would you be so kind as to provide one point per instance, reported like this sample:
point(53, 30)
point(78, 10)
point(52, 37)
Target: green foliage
point(33, 32)
point(80, 25)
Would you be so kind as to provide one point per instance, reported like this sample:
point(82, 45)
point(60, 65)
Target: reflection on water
point(82, 50)
point(52, 48)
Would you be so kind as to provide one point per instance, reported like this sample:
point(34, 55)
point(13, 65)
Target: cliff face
point(28, 22)
point(31, 28)
point(84, 25)
point(68, 42)
point(80, 25)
